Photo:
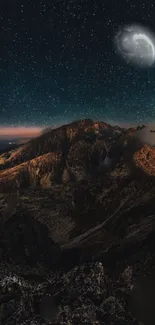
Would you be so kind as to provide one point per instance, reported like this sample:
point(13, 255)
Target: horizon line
point(30, 131)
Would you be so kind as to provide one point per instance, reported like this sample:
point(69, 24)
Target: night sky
point(58, 63)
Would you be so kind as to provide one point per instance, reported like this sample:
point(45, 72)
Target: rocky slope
point(77, 209)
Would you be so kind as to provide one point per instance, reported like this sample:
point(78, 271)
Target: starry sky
point(58, 63)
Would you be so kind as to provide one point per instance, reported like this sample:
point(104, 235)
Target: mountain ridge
point(62, 142)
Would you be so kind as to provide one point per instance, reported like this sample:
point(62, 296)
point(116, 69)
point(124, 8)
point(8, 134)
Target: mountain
point(80, 145)
point(77, 201)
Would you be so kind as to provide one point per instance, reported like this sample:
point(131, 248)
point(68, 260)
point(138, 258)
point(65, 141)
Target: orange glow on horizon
point(21, 131)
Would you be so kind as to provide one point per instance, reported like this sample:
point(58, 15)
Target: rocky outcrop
point(84, 294)
point(41, 171)
point(145, 159)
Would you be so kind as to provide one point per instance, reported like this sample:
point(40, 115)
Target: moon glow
point(136, 45)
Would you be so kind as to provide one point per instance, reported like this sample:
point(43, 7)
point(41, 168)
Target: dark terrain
point(77, 218)
point(6, 146)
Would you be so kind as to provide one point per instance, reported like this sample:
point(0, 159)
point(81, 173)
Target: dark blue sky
point(58, 62)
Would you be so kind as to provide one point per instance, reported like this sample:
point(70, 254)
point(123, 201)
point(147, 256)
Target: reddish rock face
point(145, 159)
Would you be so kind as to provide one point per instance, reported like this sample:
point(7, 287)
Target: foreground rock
point(88, 293)
point(84, 295)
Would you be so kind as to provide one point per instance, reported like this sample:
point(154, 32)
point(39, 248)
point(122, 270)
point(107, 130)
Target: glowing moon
point(136, 45)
